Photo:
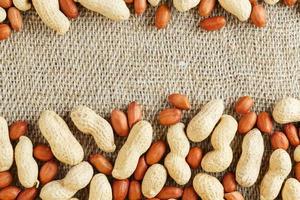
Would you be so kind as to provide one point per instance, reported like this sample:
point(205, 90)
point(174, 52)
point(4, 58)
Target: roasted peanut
point(194, 157)
point(205, 7)
point(140, 6)
point(247, 122)
point(5, 31)
point(170, 192)
point(290, 2)
point(137, 143)
point(140, 169)
point(69, 8)
point(200, 127)
point(291, 132)
point(213, 23)
point(42, 152)
point(180, 101)
point(244, 105)
point(297, 171)
point(9, 192)
point(5, 179)
point(234, 196)
point(162, 17)
point(189, 194)
point(229, 182)
point(258, 16)
point(119, 122)
point(134, 191)
point(134, 113)
point(264, 122)
point(101, 163)
point(279, 141)
point(120, 189)
point(48, 172)
point(6, 4)
point(156, 152)
point(15, 18)
point(28, 194)
point(17, 129)
point(169, 116)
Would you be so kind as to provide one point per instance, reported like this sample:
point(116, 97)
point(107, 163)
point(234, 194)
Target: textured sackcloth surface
point(105, 65)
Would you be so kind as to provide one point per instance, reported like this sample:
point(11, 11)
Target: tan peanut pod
point(201, 126)
point(154, 180)
point(287, 110)
point(248, 166)
point(6, 149)
point(137, 143)
point(88, 122)
point(77, 178)
point(112, 9)
point(175, 161)
point(271, 2)
point(185, 5)
point(100, 188)
point(220, 158)
point(26, 165)
point(291, 189)
point(2, 14)
point(280, 166)
point(62, 142)
point(208, 187)
point(51, 15)
point(239, 8)
point(297, 154)
point(154, 2)
point(22, 5)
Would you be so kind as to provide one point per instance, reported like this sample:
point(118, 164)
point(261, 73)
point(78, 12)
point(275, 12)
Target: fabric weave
point(105, 65)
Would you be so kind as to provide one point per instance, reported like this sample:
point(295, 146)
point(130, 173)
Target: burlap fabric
point(105, 65)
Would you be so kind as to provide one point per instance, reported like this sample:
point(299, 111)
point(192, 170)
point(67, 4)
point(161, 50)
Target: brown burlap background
point(105, 65)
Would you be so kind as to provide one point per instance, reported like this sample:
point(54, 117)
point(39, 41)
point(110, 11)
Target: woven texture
point(105, 65)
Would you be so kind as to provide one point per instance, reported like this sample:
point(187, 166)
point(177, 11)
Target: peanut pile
point(142, 165)
point(56, 13)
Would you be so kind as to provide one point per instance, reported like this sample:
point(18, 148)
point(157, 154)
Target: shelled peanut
point(138, 171)
point(63, 10)
point(171, 116)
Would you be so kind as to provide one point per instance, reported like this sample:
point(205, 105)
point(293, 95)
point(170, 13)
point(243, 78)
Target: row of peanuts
point(128, 185)
point(241, 9)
